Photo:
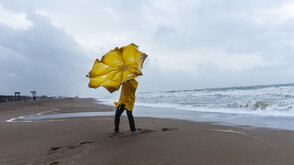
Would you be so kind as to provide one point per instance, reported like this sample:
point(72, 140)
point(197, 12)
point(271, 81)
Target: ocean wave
point(260, 100)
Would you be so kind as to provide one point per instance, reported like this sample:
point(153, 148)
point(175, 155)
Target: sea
point(264, 106)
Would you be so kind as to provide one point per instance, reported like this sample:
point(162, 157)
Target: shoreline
point(256, 120)
point(189, 116)
point(88, 140)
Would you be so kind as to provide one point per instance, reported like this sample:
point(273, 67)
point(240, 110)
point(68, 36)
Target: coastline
point(88, 140)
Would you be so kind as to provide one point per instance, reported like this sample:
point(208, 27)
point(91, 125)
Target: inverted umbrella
point(116, 67)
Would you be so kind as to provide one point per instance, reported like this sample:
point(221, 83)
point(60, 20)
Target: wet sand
point(88, 140)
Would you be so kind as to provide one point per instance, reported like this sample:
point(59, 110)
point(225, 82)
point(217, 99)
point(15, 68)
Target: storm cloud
point(191, 44)
point(42, 58)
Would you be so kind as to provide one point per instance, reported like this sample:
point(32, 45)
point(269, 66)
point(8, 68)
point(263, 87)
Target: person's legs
point(120, 109)
point(131, 121)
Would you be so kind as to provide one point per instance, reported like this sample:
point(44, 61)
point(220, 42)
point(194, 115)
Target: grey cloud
point(49, 57)
point(229, 26)
point(44, 58)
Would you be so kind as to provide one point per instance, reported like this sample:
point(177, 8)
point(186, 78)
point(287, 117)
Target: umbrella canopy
point(116, 67)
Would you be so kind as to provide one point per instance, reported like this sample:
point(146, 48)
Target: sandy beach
point(88, 140)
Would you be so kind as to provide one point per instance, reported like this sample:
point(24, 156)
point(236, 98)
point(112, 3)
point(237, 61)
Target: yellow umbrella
point(116, 67)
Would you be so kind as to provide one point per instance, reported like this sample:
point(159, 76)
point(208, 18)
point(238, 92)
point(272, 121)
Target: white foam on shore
point(20, 118)
point(32, 118)
point(245, 134)
point(270, 101)
point(239, 120)
point(11, 120)
point(229, 131)
point(258, 106)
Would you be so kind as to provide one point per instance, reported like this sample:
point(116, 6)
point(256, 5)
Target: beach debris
point(116, 67)
point(54, 163)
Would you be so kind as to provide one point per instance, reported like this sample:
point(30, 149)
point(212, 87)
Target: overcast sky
point(50, 45)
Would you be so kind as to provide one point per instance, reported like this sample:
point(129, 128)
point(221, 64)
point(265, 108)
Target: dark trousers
point(120, 109)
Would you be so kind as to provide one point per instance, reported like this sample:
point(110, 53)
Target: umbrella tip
point(135, 45)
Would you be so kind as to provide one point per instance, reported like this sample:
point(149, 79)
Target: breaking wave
point(274, 100)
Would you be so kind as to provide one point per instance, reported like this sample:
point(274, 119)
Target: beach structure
point(33, 92)
point(17, 96)
point(34, 95)
point(11, 98)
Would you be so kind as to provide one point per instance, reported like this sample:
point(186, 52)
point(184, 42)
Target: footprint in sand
point(73, 145)
point(56, 150)
point(69, 146)
point(140, 131)
point(168, 129)
point(53, 163)
point(145, 131)
point(128, 134)
point(53, 150)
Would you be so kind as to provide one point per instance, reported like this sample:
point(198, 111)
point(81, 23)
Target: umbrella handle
point(122, 94)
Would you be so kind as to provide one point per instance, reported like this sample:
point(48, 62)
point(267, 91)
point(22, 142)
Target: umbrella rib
point(122, 57)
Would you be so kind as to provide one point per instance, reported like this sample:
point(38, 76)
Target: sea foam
point(261, 106)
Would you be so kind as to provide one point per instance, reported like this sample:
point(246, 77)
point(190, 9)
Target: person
point(126, 102)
